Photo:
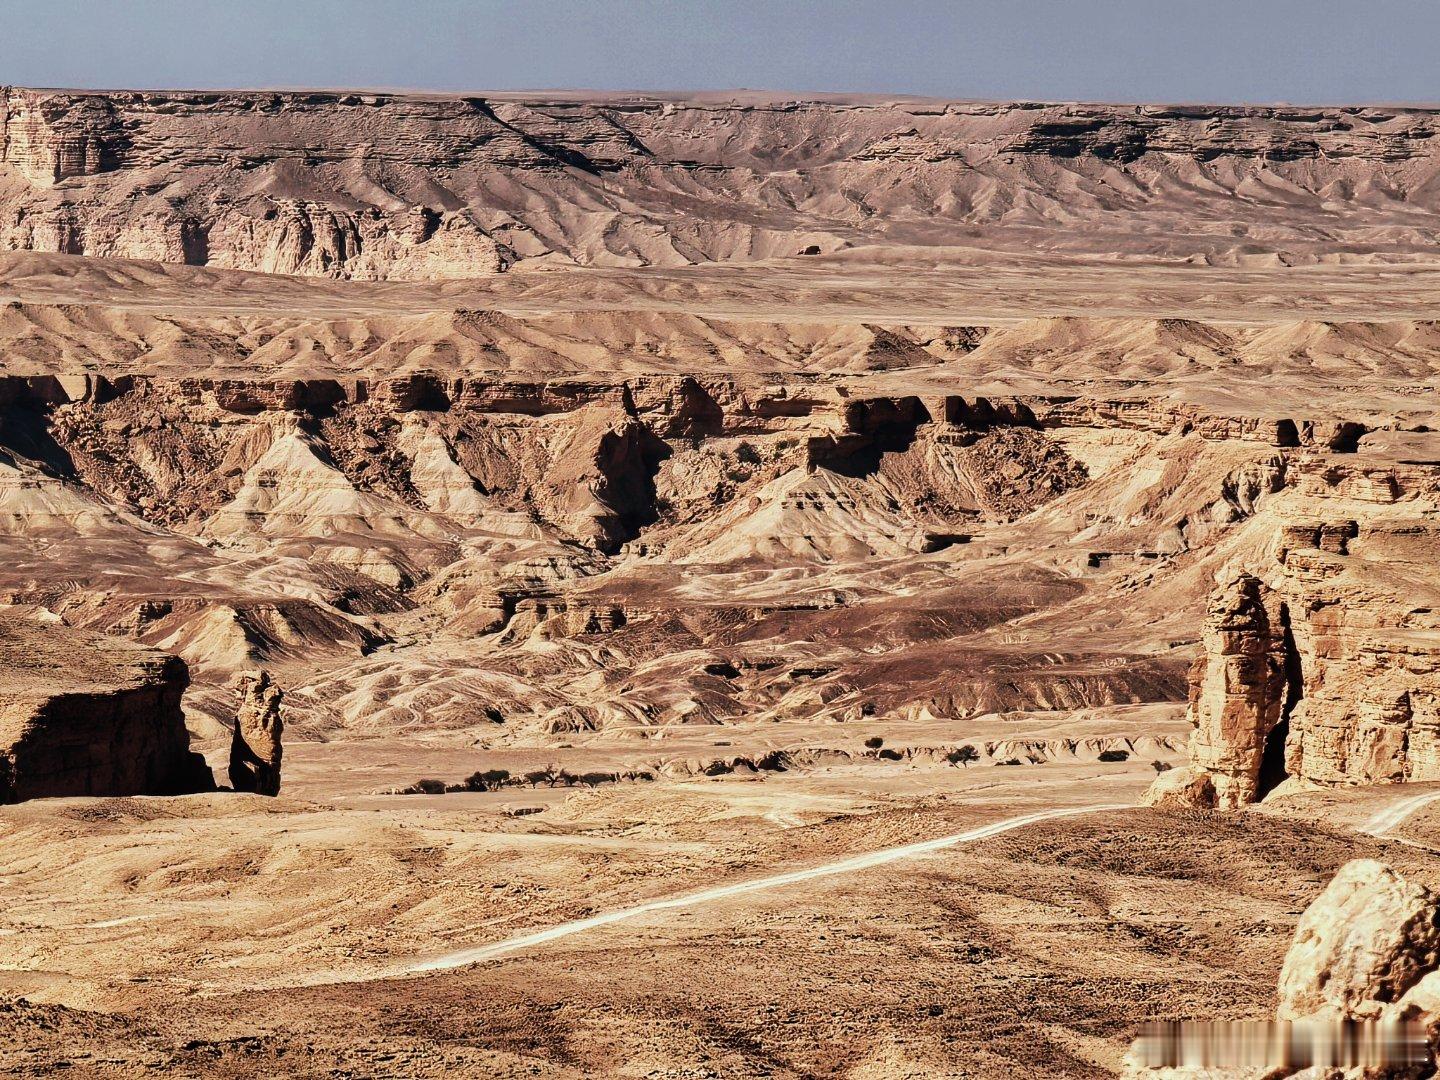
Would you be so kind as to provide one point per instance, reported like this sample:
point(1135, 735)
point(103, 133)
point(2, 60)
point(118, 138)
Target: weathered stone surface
point(1338, 658)
point(1181, 788)
point(1360, 946)
point(1366, 648)
point(1237, 689)
point(255, 747)
point(82, 714)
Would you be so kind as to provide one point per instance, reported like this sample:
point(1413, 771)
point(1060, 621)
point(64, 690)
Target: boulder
point(1181, 788)
point(1365, 941)
point(1366, 949)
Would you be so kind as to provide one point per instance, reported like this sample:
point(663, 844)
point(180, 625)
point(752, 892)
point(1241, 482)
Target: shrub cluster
point(551, 776)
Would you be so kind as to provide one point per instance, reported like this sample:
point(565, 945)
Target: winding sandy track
point(1396, 813)
point(481, 953)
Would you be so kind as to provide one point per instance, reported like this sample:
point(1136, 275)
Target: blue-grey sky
point(1130, 50)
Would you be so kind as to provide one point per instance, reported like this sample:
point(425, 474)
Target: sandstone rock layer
point(88, 715)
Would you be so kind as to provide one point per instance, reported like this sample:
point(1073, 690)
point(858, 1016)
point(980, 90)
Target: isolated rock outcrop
point(255, 748)
point(83, 714)
point(1237, 695)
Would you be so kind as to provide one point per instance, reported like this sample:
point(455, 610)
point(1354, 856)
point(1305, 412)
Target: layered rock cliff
point(381, 186)
point(1328, 672)
point(82, 714)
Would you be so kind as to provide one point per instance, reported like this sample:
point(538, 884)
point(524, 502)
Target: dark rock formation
point(82, 714)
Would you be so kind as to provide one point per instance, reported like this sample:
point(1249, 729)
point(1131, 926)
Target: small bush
point(1160, 766)
point(425, 787)
point(963, 755)
point(489, 780)
point(874, 742)
point(1114, 755)
point(890, 755)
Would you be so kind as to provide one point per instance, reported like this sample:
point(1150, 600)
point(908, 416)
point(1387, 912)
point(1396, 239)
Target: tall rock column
point(255, 749)
point(1237, 690)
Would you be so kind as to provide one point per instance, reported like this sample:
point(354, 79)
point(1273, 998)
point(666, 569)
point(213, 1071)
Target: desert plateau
point(711, 585)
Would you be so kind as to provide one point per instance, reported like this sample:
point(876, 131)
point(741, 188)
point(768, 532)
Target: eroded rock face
point(1361, 945)
point(406, 186)
point(1329, 673)
point(1237, 689)
point(255, 747)
point(1368, 645)
point(82, 714)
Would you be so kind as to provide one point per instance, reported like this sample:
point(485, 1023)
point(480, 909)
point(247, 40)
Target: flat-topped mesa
point(82, 714)
point(393, 186)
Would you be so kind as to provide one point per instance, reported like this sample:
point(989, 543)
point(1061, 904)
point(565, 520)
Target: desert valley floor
point(740, 560)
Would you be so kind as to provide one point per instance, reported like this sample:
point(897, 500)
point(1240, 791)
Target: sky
point(1303, 51)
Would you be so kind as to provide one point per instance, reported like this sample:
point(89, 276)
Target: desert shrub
point(963, 755)
point(1114, 755)
point(425, 787)
point(594, 779)
point(890, 755)
point(488, 780)
point(1160, 766)
point(1009, 761)
point(874, 742)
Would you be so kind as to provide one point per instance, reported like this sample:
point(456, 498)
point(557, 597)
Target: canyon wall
point(378, 186)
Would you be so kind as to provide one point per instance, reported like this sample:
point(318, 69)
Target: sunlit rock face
point(384, 186)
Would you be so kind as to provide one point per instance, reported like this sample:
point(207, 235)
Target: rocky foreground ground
point(1090, 457)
